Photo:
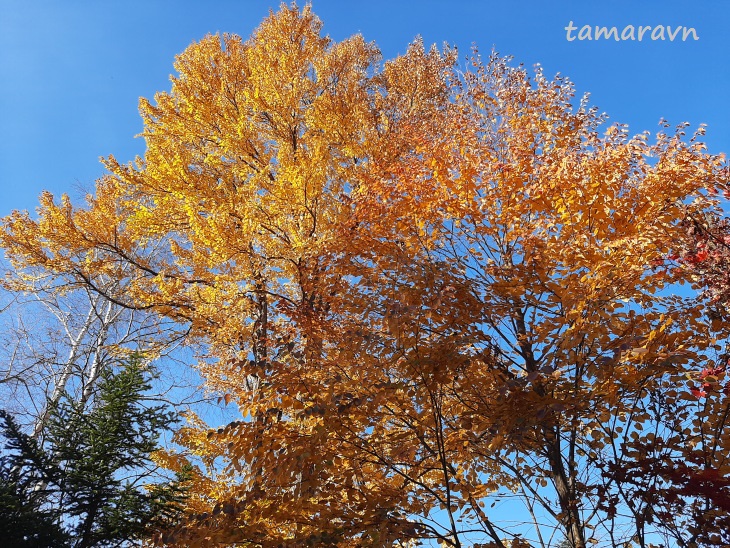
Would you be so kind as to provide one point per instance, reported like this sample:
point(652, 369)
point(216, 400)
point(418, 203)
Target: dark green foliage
point(24, 522)
point(87, 479)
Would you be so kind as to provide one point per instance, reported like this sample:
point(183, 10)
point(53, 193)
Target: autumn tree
point(700, 481)
point(563, 238)
point(424, 287)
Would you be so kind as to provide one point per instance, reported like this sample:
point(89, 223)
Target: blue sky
point(71, 73)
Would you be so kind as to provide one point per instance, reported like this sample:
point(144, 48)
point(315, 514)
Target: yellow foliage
point(414, 283)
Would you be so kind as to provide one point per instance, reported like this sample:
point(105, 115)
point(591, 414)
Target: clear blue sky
point(71, 72)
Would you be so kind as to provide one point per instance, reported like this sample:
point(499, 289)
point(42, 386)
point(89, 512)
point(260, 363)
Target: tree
point(563, 242)
point(57, 335)
point(424, 289)
point(700, 482)
point(24, 522)
point(84, 484)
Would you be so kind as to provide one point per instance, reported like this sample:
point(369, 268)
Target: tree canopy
point(426, 287)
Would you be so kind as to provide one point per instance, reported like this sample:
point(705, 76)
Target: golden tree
point(420, 286)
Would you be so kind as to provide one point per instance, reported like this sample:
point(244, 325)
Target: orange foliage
point(419, 287)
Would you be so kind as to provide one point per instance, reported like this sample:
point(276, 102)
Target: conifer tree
point(85, 481)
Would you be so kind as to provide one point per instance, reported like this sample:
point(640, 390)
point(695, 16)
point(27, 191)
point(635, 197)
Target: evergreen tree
point(85, 482)
point(24, 521)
